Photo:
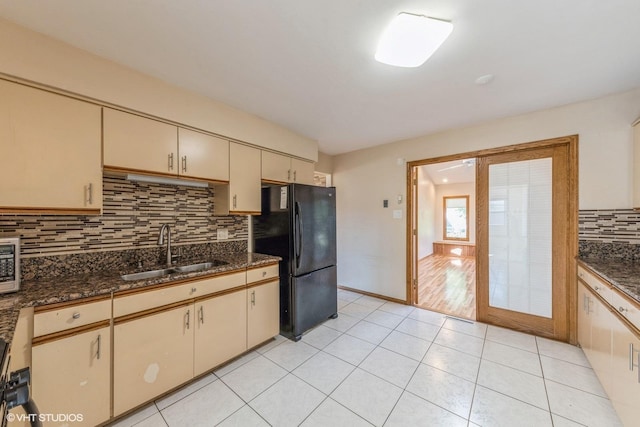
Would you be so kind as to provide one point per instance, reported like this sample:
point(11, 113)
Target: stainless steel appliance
point(298, 223)
point(9, 264)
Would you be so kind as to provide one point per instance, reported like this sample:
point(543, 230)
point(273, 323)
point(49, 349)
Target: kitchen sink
point(191, 268)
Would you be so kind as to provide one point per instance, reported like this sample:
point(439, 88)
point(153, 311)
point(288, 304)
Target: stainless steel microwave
point(9, 264)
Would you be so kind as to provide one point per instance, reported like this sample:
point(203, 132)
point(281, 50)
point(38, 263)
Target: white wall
point(427, 206)
point(32, 56)
point(461, 189)
point(371, 244)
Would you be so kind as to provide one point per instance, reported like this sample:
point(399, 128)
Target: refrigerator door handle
point(298, 234)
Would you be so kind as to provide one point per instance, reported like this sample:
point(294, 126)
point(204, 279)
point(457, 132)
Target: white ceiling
point(455, 172)
point(309, 66)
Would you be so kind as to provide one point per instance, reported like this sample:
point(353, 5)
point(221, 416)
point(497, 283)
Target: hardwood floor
point(447, 284)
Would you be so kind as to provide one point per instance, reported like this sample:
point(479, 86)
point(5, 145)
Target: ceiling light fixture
point(411, 39)
point(168, 181)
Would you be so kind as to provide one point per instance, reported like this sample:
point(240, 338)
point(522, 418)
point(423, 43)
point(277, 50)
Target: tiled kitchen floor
point(381, 363)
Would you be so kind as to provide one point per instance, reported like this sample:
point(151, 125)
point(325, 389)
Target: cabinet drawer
point(626, 308)
point(47, 321)
point(262, 273)
point(129, 303)
point(596, 284)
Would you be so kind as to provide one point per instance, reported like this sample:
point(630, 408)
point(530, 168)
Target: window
point(456, 218)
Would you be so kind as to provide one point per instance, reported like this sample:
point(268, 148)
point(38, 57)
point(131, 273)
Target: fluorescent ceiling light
point(411, 39)
point(163, 180)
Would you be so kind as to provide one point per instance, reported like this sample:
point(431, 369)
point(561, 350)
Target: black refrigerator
point(298, 223)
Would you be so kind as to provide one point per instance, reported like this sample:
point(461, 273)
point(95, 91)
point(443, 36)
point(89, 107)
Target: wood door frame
point(571, 142)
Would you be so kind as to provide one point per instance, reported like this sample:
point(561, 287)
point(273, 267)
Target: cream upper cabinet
point(220, 330)
point(243, 194)
point(151, 355)
point(72, 375)
point(263, 312)
point(278, 168)
point(203, 156)
point(636, 164)
point(139, 144)
point(51, 150)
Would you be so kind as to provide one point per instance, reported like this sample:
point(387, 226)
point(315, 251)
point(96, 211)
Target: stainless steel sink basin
point(148, 274)
point(166, 271)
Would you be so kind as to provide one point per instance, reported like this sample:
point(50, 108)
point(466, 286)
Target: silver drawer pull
point(621, 309)
point(194, 290)
point(76, 315)
point(264, 273)
point(597, 288)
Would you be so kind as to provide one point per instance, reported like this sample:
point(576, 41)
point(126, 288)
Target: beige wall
point(29, 55)
point(371, 245)
point(462, 189)
point(324, 163)
point(427, 206)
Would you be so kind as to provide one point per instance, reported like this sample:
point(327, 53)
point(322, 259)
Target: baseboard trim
point(371, 294)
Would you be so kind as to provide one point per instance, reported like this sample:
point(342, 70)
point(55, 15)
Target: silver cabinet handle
point(289, 175)
point(597, 288)
point(170, 160)
point(621, 309)
point(99, 345)
point(89, 198)
point(76, 315)
point(253, 298)
point(201, 315)
point(235, 200)
point(184, 163)
point(632, 365)
point(193, 290)
point(294, 176)
point(264, 273)
point(188, 319)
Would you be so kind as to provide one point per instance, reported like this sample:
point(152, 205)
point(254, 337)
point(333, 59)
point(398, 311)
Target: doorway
point(446, 234)
point(524, 280)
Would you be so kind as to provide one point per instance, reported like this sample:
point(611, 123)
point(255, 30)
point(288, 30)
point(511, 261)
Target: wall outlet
point(222, 234)
point(397, 214)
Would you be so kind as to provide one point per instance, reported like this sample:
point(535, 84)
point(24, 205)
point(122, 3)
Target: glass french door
point(522, 242)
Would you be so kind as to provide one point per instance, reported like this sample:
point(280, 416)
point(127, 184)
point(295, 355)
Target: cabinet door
point(263, 313)
point(276, 167)
point(302, 171)
point(139, 144)
point(625, 374)
point(600, 352)
point(244, 179)
point(584, 318)
point(51, 150)
point(636, 166)
point(152, 355)
point(203, 156)
point(221, 330)
point(72, 375)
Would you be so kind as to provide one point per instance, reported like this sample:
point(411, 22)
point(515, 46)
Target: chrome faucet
point(161, 241)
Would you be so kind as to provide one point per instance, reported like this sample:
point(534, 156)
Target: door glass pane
point(520, 236)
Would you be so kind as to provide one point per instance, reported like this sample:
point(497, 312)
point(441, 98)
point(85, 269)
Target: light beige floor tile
point(406, 345)
point(512, 338)
point(385, 319)
point(207, 406)
point(572, 375)
point(290, 355)
point(370, 301)
point(244, 417)
point(331, 413)
point(154, 420)
point(348, 295)
point(562, 351)
point(277, 340)
point(288, 402)
point(453, 361)
point(459, 341)
point(512, 357)
point(369, 332)
point(443, 389)
point(357, 310)
point(254, 377)
point(368, 396)
point(428, 316)
point(341, 323)
point(350, 349)
point(224, 370)
point(476, 329)
point(320, 336)
point(342, 303)
point(580, 406)
point(516, 384)
point(414, 411)
point(324, 371)
point(185, 391)
point(397, 309)
point(422, 330)
point(559, 421)
point(390, 366)
point(498, 410)
point(136, 417)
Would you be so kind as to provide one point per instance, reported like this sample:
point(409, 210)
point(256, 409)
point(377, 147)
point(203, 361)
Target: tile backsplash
point(613, 233)
point(132, 216)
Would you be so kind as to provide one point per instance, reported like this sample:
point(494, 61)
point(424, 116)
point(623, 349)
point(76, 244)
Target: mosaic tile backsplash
point(133, 213)
point(613, 234)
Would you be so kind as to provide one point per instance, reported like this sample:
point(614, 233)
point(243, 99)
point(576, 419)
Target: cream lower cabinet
point(51, 150)
point(72, 375)
point(220, 331)
point(263, 312)
point(625, 373)
point(151, 355)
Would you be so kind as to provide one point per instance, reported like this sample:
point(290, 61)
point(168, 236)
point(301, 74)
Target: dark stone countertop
point(61, 289)
point(624, 275)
